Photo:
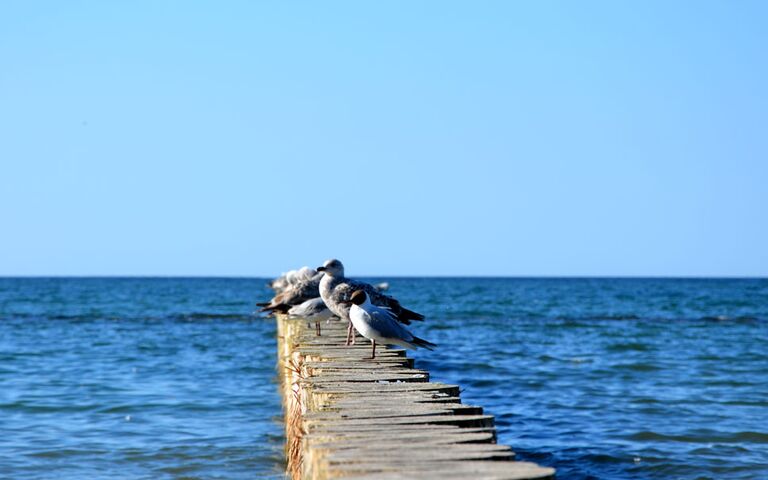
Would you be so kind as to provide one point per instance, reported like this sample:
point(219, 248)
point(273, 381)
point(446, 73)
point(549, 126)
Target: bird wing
point(344, 290)
point(383, 320)
point(380, 299)
point(310, 307)
point(302, 291)
point(377, 298)
point(309, 288)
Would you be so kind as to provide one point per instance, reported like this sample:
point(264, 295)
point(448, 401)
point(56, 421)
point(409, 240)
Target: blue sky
point(406, 138)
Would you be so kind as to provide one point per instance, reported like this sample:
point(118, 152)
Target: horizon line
point(452, 276)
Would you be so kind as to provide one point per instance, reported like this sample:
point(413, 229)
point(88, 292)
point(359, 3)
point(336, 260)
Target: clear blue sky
point(410, 138)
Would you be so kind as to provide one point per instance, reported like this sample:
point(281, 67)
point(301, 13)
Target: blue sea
point(168, 378)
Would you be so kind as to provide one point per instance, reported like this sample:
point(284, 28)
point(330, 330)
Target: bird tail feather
point(406, 316)
point(280, 307)
point(420, 342)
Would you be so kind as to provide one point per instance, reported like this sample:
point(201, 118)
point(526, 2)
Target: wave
point(89, 317)
point(619, 316)
point(629, 346)
point(638, 367)
point(211, 316)
point(707, 436)
point(726, 318)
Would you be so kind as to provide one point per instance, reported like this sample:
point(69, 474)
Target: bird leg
point(317, 327)
point(373, 351)
point(349, 334)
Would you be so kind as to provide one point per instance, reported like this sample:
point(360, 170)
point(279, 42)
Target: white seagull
point(313, 309)
point(336, 290)
point(379, 324)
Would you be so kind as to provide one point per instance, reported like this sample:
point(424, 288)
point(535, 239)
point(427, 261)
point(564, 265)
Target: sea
point(601, 378)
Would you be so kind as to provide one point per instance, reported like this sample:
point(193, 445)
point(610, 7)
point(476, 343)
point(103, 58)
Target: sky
point(500, 138)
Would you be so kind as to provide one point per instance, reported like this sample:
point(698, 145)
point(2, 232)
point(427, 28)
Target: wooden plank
point(383, 439)
point(451, 470)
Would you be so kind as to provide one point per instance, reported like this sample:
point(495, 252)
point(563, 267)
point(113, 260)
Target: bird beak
point(320, 269)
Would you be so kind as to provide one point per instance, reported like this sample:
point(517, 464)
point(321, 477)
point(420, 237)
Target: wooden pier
point(352, 417)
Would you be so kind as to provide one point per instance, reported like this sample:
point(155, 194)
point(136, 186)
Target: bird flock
point(324, 293)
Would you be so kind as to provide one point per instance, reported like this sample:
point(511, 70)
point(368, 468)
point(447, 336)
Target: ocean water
point(600, 378)
point(137, 379)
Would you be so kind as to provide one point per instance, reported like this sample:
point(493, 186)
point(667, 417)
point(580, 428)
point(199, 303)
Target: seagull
point(291, 278)
point(313, 309)
point(380, 324)
point(303, 288)
point(335, 289)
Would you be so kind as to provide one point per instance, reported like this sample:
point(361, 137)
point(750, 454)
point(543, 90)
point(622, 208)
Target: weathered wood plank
point(385, 439)
point(446, 470)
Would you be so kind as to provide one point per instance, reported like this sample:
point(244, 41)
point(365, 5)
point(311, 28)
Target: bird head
point(332, 267)
point(358, 297)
